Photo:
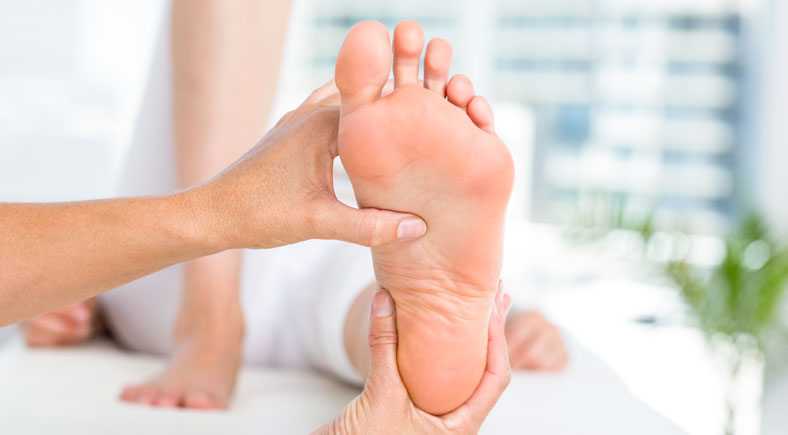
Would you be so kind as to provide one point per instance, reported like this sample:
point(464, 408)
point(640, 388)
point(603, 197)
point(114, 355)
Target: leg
point(414, 151)
point(221, 99)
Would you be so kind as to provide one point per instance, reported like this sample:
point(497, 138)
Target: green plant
point(741, 296)
point(734, 302)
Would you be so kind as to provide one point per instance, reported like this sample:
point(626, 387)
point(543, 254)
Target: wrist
point(198, 221)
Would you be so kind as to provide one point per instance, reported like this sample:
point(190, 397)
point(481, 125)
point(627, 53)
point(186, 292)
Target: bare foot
point(201, 372)
point(534, 343)
point(414, 150)
point(65, 326)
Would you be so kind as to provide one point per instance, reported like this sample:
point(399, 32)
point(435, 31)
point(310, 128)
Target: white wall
point(71, 74)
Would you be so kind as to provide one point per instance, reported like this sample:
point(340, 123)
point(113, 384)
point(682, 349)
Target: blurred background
point(659, 125)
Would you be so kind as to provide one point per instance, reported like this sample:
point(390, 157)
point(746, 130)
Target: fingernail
point(411, 228)
point(382, 304)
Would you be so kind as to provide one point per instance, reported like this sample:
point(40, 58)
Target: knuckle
point(382, 338)
point(368, 230)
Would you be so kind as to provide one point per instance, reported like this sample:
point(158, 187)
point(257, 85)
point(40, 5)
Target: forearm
point(55, 254)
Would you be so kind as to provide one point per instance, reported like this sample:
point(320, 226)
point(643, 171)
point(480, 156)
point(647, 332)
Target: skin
point(384, 406)
point(222, 98)
point(439, 158)
point(65, 326)
point(280, 192)
point(535, 343)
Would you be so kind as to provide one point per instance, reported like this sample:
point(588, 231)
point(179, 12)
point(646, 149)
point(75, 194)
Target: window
point(637, 99)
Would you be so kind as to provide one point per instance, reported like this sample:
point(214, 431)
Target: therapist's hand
point(281, 191)
point(384, 406)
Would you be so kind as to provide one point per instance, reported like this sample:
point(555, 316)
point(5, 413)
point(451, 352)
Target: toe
point(147, 395)
point(202, 401)
point(437, 63)
point(460, 91)
point(363, 64)
point(408, 42)
point(481, 114)
point(130, 394)
point(166, 400)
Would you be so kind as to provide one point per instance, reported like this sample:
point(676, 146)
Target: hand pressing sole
point(413, 150)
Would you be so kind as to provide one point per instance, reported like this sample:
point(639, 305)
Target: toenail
point(411, 228)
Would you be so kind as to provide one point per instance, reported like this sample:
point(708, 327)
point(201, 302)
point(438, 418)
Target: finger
point(495, 379)
point(507, 307)
point(498, 301)
point(383, 342)
point(367, 227)
point(322, 93)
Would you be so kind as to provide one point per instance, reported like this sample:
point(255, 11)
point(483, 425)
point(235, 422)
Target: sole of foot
point(430, 150)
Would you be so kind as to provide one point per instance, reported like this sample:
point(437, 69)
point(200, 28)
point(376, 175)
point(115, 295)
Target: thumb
point(370, 226)
point(383, 341)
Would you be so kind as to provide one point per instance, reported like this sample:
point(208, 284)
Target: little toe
point(460, 91)
point(437, 62)
point(408, 43)
point(481, 114)
point(363, 64)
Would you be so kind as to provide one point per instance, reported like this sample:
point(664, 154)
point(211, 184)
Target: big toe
point(130, 394)
point(408, 42)
point(363, 64)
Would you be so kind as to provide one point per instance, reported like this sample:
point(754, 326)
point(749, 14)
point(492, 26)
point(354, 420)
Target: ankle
point(210, 327)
